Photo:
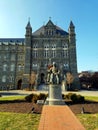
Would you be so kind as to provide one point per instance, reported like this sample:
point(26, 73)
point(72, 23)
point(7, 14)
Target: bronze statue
point(53, 74)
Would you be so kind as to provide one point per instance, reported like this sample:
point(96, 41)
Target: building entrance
point(19, 84)
point(42, 81)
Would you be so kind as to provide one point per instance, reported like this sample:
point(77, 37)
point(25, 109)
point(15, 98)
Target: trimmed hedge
point(74, 98)
point(34, 97)
point(70, 96)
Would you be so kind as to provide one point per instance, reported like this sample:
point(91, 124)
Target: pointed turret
point(71, 24)
point(71, 29)
point(72, 53)
point(28, 55)
point(28, 29)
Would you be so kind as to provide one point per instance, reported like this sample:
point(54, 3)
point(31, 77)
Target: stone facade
point(34, 53)
point(12, 54)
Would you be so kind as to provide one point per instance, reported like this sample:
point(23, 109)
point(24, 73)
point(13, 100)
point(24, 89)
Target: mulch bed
point(29, 107)
point(20, 107)
point(87, 107)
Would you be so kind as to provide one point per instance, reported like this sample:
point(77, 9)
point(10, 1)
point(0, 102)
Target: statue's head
point(54, 63)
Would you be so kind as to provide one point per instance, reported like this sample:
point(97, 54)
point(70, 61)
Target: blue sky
point(14, 16)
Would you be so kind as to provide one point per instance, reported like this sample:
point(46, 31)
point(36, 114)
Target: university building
point(20, 57)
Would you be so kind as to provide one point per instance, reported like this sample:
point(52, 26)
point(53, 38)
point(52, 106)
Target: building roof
point(50, 24)
point(12, 40)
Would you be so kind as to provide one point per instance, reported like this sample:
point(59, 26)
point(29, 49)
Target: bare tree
point(69, 78)
point(32, 80)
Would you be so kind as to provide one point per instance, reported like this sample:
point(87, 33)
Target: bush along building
point(24, 61)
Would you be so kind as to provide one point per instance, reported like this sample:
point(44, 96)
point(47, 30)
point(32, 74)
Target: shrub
point(42, 96)
point(74, 98)
point(31, 97)
point(34, 97)
point(68, 96)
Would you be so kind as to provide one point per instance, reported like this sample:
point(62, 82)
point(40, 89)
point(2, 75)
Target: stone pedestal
point(55, 96)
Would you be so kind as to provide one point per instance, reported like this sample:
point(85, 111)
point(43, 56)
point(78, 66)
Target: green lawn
point(14, 121)
point(89, 121)
point(92, 98)
point(10, 98)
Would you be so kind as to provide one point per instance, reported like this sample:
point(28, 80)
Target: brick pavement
point(59, 118)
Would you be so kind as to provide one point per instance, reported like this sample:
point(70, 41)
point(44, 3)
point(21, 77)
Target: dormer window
point(50, 28)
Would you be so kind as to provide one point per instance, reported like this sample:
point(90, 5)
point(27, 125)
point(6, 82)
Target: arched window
point(53, 46)
point(65, 45)
point(46, 46)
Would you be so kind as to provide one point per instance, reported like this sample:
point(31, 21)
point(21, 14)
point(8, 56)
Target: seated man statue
point(53, 74)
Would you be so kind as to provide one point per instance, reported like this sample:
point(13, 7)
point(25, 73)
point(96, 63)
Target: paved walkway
point(59, 118)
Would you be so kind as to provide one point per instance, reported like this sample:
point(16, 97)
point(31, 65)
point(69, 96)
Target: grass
point(91, 98)
point(18, 121)
point(89, 121)
point(11, 98)
point(14, 121)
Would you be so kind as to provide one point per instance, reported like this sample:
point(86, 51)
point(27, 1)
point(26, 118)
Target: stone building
point(20, 57)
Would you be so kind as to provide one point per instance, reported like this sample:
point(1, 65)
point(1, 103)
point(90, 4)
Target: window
point(4, 78)
point(35, 46)
point(46, 53)
point(65, 45)
point(34, 65)
point(65, 53)
point(12, 57)
point(35, 54)
point(54, 46)
point(6, 47)
point(20, 67)
point(53, 53)
point(5, 57)
point(46, 46)
point(20, 57)
point(12, 67)
point(11, 78)
point(66, 66)
point(5, 67)
point(49, 32)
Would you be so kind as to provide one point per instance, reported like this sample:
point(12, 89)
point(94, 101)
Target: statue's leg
point(51, 78)
point(48, 77)
point(57, 79)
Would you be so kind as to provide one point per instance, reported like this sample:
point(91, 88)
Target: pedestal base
point(55, 96)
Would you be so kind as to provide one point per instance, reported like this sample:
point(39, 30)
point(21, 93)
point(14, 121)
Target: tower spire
point(29, 19)
point(49, 18)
